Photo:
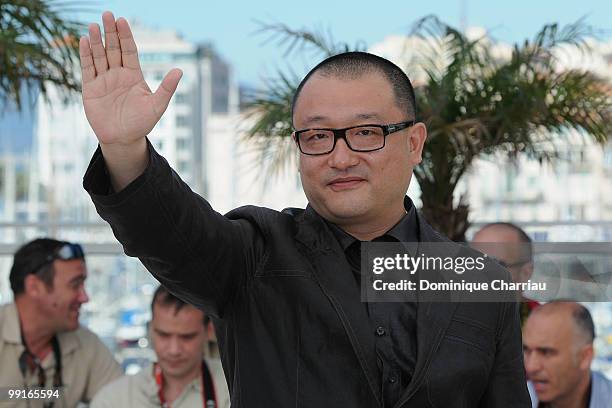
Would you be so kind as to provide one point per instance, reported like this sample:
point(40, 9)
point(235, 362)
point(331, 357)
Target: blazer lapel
point(333, 274)
point(433, 319)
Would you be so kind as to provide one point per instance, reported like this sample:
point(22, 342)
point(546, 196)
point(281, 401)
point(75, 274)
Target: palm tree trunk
point(441, 213)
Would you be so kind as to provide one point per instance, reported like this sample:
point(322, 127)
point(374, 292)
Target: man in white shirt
point(181, 377)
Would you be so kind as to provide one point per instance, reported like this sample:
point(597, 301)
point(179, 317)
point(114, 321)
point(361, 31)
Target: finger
point(97, 49)
point(88, 71)
point(129, 52)
point(161, 97)
point(111, 40)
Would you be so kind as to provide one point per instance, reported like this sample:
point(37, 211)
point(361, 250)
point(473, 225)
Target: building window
point(182, 121)
point(182, 144)
point(180, 98)
point(183, 166)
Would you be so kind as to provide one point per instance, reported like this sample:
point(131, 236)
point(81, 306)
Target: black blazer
point(292, 332)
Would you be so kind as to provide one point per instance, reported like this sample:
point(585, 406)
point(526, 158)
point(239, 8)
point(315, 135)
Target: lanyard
point(209, 398)
point(57, 375)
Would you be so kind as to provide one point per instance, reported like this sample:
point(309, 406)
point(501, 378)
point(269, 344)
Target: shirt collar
point(11, 332)
point(406, 230)
point(152, 391)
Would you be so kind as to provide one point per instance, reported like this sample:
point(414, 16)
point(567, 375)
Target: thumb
point(161, 97)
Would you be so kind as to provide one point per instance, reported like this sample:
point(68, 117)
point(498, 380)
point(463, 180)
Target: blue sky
point(231, 25)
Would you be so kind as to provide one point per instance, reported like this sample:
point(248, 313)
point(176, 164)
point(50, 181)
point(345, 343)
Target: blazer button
point(392, 379)
point(380, 331)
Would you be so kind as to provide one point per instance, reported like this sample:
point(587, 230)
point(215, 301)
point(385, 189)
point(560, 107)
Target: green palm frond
point(38, 47)
point(320, 41)
point(270, 113)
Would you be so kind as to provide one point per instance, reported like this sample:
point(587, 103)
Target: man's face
point(62, 302)
point(348, 187)
point(556, 357)
point(178, 339)
point(504, 244)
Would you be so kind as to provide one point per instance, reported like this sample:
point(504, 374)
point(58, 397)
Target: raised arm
point(119, 104)
point(200, 255)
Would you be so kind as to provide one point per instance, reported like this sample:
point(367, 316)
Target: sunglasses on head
point(66, 252)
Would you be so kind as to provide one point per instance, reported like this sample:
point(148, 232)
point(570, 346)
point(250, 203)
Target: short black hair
point(581, 316)
point(584, 321)
point(163, 297)
point(352, 65)
point(30, 258)
point(523, 237)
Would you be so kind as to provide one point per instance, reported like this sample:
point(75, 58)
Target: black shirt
point(393, 323)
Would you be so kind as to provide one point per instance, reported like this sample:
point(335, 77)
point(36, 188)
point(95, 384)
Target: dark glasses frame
point(341, 134)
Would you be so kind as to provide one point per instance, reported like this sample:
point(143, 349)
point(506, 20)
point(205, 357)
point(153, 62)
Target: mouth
point(174, 363)
point(345, 183)
point(539, 385)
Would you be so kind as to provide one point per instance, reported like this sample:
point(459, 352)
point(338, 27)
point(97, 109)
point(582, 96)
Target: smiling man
point(283, 287)
point(41, 344)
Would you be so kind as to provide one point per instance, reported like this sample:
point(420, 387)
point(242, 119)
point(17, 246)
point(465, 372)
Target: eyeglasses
point(362, 138)
point(66, 252)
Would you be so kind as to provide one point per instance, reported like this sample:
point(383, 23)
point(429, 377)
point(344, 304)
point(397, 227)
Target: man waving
point(283, 287)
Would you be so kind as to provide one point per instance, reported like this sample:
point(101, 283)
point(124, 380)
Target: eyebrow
point(160, 331)
point(313, 120)
point(81, 277)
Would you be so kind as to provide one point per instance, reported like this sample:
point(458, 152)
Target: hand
point(119, 104)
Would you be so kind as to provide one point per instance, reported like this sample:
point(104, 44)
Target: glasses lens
point(366, 138)
point(315, 141)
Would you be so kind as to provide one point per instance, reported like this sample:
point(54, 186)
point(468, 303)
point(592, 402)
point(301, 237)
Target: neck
point(577, 399)
point(370, 229)
point(36, 334)
point(174, 386)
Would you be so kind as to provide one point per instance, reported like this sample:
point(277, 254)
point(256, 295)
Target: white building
point(64, 141)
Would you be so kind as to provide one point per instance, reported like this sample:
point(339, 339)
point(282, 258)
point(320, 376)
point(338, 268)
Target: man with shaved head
point(558, 350)
point(283, 288)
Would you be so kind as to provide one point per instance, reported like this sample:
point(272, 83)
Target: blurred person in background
point(512, 248)
point(181, 377)
point(42, 344)
point(558, 351)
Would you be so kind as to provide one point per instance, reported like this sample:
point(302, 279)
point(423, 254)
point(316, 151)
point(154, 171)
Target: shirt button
point(380, 331)
point(392, 379)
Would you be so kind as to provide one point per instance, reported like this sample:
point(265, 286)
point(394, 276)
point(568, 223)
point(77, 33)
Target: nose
point(532, 364)
point(342, 157)
point(174, 347)
point(83, 297)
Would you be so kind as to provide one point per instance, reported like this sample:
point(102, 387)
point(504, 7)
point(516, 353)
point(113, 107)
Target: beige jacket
point(87, 364)
point(140, 391)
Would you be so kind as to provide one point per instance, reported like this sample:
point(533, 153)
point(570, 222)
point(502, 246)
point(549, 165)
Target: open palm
point(119, 104)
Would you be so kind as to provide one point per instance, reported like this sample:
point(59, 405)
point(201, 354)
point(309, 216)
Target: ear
point(586, 357)
point(416, 141)
point(33, 286)
point(210, 332)
point(526, 271)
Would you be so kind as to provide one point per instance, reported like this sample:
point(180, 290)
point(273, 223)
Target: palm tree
point(37, 48)
point(473, 102)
